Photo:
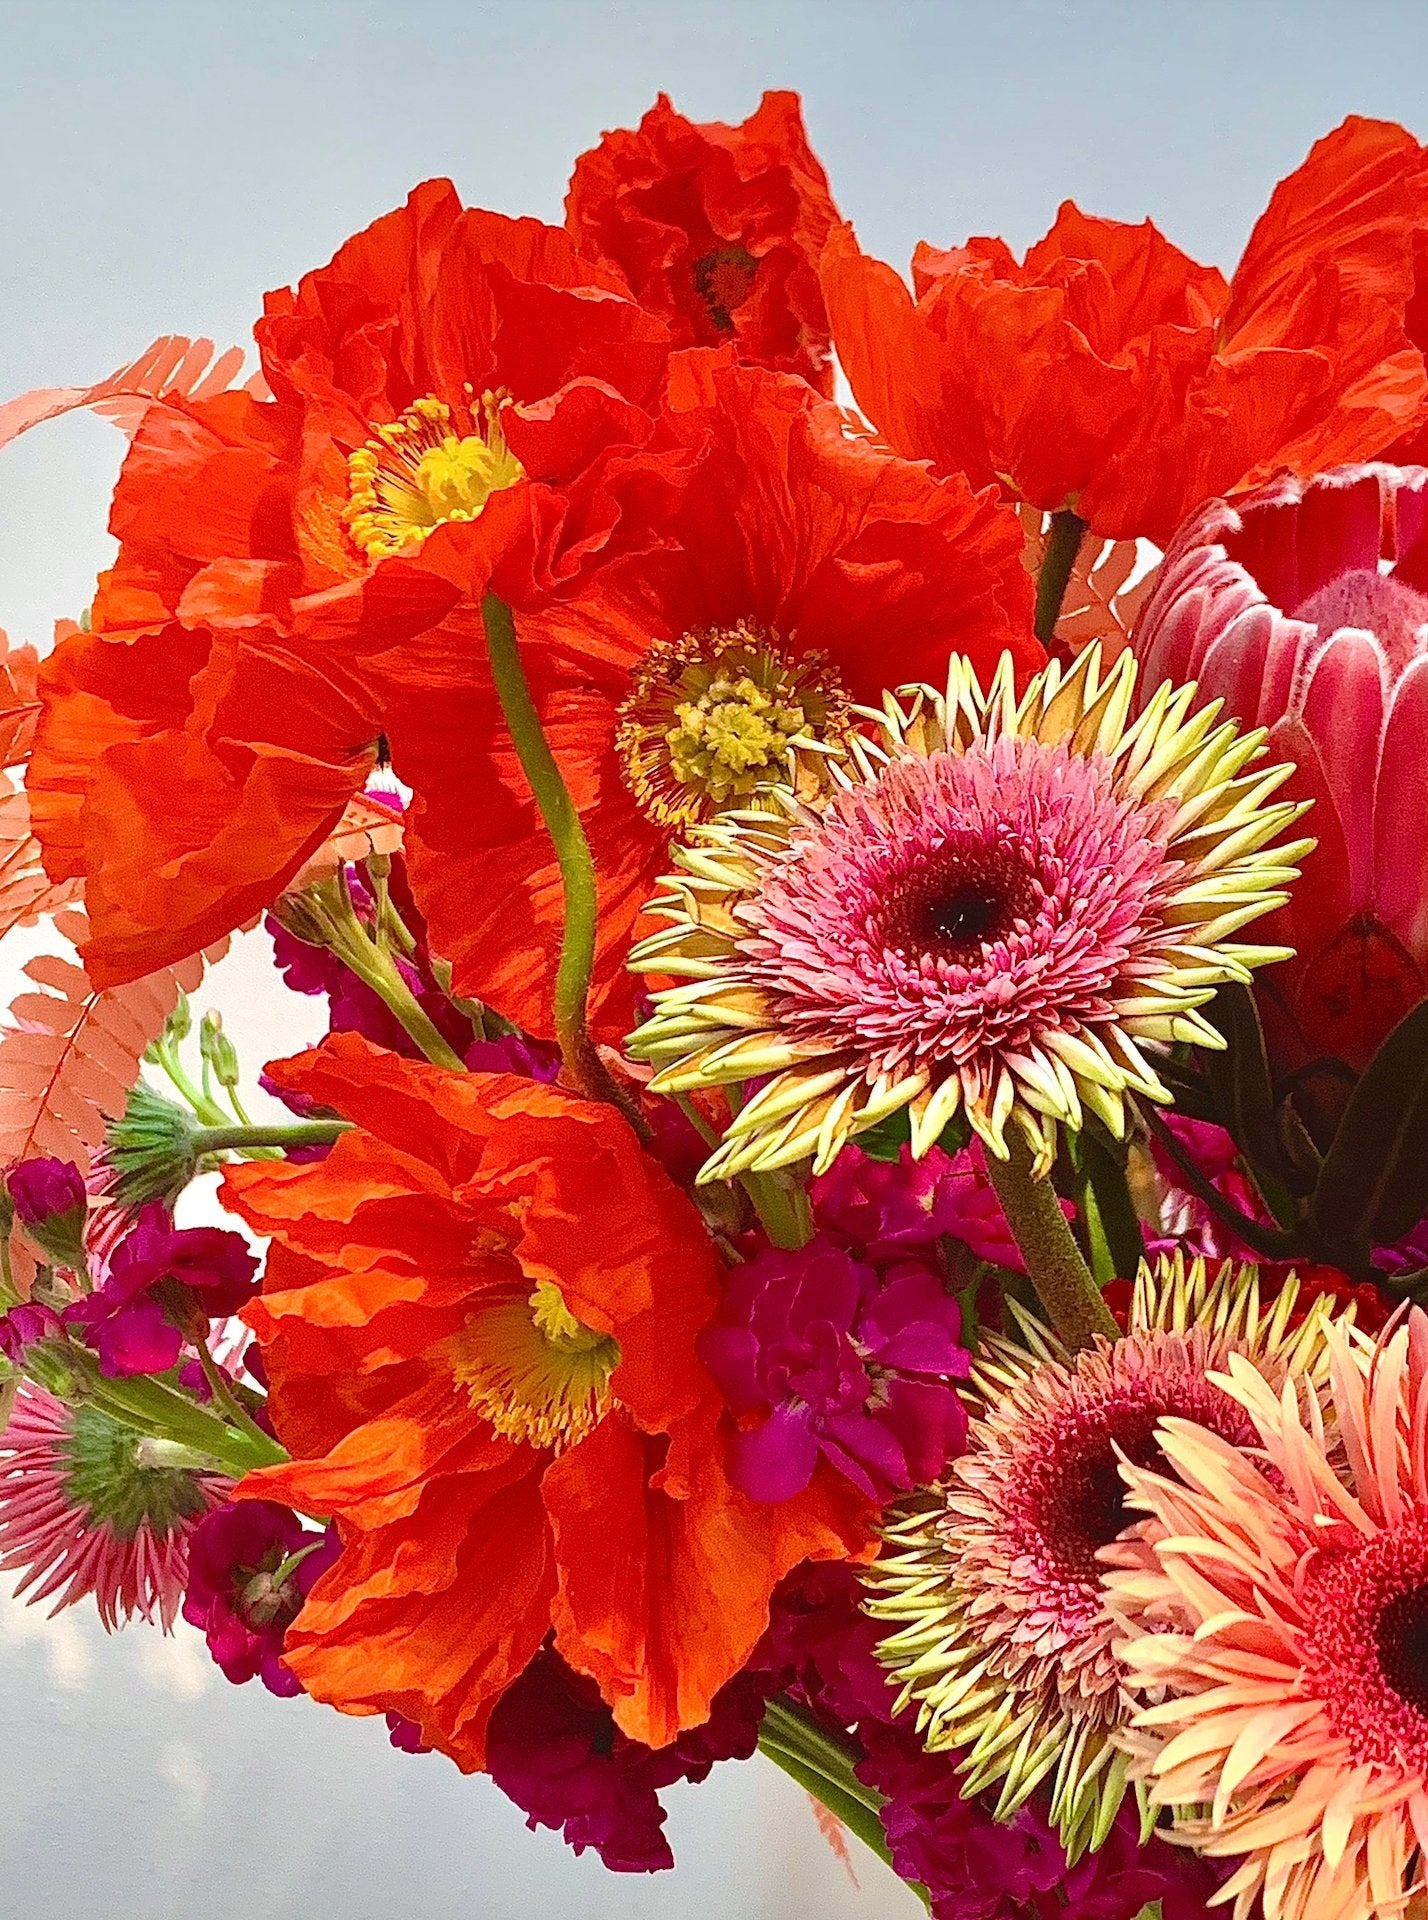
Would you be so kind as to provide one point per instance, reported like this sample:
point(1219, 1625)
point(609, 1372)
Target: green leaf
point(1373, 1187)
point(1113, 1242)
point(1243, 1091)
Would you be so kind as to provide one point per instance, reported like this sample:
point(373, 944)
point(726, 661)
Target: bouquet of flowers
point(867, 1185)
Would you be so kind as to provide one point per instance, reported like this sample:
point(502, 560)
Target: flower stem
point(295, 1133)
point(1061, 1277)
point(1063, 543)
point(572, 853)
point(782, 1207)
point(823, 1766)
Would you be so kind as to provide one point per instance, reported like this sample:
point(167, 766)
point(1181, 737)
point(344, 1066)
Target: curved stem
point(1062, 1279)
point(1063, 543)
point(572, 853)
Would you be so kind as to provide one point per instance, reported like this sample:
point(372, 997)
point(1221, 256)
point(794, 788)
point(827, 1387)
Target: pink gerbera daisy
point(992, 1582)
point(80, 1515)
point(1279, 1600)
point(1007, 909)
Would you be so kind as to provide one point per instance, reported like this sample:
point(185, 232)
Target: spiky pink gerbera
point(992, 1581)
point(1004, 906)
point(80, 1515)
point(1278, 1600)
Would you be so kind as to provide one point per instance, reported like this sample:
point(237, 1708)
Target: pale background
point(160, 166)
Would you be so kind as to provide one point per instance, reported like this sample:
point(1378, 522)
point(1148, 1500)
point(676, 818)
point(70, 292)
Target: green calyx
point(106, 1481)
point(152, 1148)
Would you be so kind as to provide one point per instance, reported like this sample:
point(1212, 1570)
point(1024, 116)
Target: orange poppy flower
point(479, 1326)
point(265, 543)
point(716, 229)
point(1109, 373)
point(801, 571)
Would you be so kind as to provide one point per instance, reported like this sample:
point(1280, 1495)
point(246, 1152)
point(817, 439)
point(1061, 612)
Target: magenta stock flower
point(553, 1747)
point(162, 1283)
point(79, 1515)
point(251, 1566)
point(1304, 607)
point(43, 1189)
point(886, 1209)
point(835, 1359)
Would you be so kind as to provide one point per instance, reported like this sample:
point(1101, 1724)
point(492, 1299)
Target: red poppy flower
point(265, 543)
point(802, 571)
point(1108, 373)
point(479, 1327)
point(716, 229)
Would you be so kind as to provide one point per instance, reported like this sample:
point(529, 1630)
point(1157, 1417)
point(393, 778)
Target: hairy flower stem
point(572, 853)
point(822, 1764)
point(1063, 543)
point(1063, 1281)
point(295, 1133)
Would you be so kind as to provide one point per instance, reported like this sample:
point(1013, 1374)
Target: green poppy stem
point(1063, 1282)
point(572, 853)
point(1063, 543)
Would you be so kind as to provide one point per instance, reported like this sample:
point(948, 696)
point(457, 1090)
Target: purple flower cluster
point(46, 1189)
point(889, 1209)
point(820, 1648)
point(244, 1590)
point(553, 1747)
point(163, 1285)
point(824, 1355)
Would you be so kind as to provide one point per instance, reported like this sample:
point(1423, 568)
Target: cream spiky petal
point(993, 1582)
point(1007, 907)
point(1278, 1621)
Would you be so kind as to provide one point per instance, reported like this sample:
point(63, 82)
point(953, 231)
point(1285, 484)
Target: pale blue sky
point(160, 166)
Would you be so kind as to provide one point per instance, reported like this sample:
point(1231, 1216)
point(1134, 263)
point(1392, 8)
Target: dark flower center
point(1366, 1643)
point(963, 899)
point(724, 279)
point(1403, 1646)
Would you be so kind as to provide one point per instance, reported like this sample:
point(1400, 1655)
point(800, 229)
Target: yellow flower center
point(534, 1371)
point(717, 717)
point(418, 472)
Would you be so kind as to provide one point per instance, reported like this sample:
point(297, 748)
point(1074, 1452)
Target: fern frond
point(364, 829)
point(172, 372)
point(72, 1052)
point(19, 701)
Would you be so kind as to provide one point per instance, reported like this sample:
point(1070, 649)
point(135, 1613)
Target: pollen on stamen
point(418, 472)
point(535, 1371)
point(717, 717)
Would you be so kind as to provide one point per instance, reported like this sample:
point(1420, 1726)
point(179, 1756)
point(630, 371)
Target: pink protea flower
point(79, 1515)
point(1275, 1607)
point(1304, 607)
point(1006, 909)
point(991, 1582)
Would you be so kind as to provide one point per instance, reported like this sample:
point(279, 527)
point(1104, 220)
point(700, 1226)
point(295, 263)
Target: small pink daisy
point(1007, 909)
point(79, 1515)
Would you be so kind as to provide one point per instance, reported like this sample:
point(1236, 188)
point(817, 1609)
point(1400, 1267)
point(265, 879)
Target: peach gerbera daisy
point(992, 1583)
point(1281, 1607)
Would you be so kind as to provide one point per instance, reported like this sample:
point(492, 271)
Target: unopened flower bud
point(52, 1204)
point(218, 1050)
